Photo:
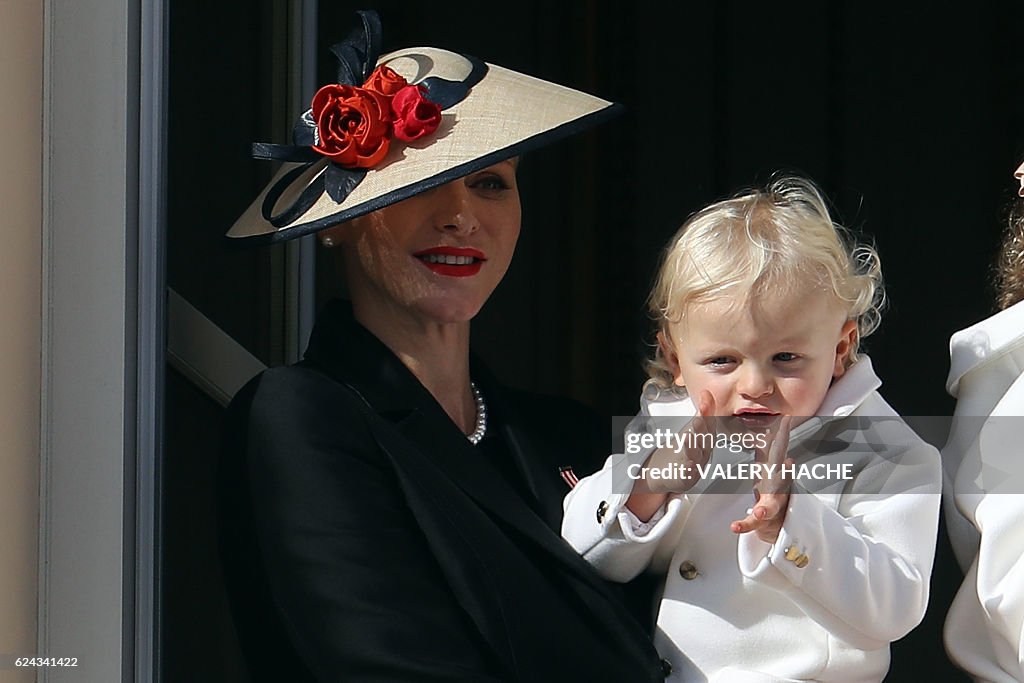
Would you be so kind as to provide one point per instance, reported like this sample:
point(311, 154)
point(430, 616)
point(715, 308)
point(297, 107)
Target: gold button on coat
point(801, 561)
point(602, 509)
point(792, 553)
point(688, 570)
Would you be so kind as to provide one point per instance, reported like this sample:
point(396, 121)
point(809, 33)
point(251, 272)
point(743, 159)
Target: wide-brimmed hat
point(398, 125)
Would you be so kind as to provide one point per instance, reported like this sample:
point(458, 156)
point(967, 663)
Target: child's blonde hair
point(761, 241)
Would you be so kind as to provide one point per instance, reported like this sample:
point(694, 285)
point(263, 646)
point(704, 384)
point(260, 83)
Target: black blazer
point(364, 538)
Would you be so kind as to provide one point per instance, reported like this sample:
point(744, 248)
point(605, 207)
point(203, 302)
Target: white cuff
point(652, 530)
point(781, 565)
point(632, 523)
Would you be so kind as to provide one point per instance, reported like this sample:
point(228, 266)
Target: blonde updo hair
point(762, 241)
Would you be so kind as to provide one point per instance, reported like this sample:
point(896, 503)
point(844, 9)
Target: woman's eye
point(785, 356)
point(490, 183)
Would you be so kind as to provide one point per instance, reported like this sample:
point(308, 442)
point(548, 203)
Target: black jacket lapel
point(540, 473)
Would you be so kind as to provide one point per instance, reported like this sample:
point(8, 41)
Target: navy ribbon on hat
point(357, 57)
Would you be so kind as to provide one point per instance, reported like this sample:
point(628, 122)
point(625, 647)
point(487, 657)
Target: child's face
point(1019, 175)
point(769, 356)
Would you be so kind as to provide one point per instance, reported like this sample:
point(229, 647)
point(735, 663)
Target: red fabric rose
point(414, 115)
point(385, 81)
point(353, 125)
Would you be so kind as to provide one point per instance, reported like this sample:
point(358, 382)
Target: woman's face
point(437, 255)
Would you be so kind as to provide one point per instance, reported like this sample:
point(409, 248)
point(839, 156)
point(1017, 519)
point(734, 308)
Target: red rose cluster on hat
point(354, 125)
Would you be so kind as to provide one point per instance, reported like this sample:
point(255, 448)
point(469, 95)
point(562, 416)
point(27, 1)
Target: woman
point(985, 484)
point(390, 511)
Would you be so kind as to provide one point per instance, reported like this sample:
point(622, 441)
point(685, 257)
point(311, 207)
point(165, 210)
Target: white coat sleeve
point(998, 516)
point(1000, 571)
point(987, 617)
point(868, 551)
point(600, 527)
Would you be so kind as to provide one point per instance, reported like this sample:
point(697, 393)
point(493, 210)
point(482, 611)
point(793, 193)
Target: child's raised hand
point(771, 493)
point(696, 450)
point(649, 493)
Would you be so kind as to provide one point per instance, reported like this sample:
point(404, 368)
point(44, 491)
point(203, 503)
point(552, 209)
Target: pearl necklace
point(481, 416)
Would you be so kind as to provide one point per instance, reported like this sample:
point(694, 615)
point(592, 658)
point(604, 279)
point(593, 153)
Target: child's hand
point(649, 494)
point(695, 451)
point(771, 493)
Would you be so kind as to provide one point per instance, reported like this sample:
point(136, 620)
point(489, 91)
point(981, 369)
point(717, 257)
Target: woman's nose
point(755, 383)
point(453, 210)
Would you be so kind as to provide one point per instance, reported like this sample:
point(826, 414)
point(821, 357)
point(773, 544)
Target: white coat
point(984, 465)
point(735, 608)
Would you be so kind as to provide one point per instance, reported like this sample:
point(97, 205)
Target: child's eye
point(785, 356)
point(718, 361)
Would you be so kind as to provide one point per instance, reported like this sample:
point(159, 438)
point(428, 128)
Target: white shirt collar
point(983, 341)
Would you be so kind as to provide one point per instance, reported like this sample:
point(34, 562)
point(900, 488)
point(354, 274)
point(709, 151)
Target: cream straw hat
point(434, 117)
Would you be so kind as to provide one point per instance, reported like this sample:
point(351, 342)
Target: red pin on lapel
point(568, 476)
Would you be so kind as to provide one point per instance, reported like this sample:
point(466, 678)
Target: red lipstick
point(452, 261)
